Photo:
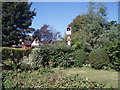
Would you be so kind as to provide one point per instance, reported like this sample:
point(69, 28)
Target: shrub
point(46, 78)
point(59, 55)
point(13, 54)
point(33, 60)
point(24, 66)
point(98, 58)
point(46, 71)
point(114, 56)
point(80, 57)
point(54, 55)
point(77, 45)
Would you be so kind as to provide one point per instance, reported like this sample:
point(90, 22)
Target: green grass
point(109, 78)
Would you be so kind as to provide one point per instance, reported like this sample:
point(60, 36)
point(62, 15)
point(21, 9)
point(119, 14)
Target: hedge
point(13, 54)
point(48, 55)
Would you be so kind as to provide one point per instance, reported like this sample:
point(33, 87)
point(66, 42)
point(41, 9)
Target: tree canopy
point(46, 34)
point(90, 29)
point(16, 21)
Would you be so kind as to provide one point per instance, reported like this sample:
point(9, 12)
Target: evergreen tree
point(16, 21)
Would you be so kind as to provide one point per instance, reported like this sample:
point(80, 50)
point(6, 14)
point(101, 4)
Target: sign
point(68, 32)
point(68, 38)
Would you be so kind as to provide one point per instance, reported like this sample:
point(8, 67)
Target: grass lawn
point(109, 78)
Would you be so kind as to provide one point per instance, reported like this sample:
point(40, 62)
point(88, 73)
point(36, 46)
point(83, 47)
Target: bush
point(46, 78)
point(59, 54)
point(77, 45)
point(114, 56)
point(80, 57)
point(33, 60)
point(98, 58)
point(48, 55)
point(13, 54)
point(44, 71)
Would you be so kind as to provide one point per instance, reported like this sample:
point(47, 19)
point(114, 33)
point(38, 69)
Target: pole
point(69, 43)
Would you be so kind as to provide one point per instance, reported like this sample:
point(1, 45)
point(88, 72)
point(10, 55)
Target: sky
point(59, 14)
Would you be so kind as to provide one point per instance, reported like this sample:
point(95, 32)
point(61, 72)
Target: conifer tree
point(16, 21)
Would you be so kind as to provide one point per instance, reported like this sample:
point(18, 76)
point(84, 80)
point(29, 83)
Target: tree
point(111, 35)
point(96, 21)
point(77, 26)
point(90, 26)
point(46, 34)
point(16, 19)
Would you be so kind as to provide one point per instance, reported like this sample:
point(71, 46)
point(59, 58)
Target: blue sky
point(59, 14)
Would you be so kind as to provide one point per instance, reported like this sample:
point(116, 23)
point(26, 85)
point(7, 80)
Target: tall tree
point(46, 35)
point(16, 21)
point(90, 26)
point(111, 35)
point(95, 26)
point(77, 26)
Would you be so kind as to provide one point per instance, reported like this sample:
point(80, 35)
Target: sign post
point(68, 33)
point(69, 43)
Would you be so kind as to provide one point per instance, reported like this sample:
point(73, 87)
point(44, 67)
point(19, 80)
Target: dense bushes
point(80, 57)
point(98, 58)
point(33, 60)
point(61, 55)
point(13, 55)
point(45, 78)
point(48, 55)
point(114, 56)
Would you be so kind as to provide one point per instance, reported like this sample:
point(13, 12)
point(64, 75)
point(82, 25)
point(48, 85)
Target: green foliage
point(77, 27)
point(110, 36)
point(48, 55)
point(114, 55)
point(78, 23)
point(93, 31)
point(98, 58)
point(12, 56)
point(80, 57)
point(8, 82)
point(16, 19)
point(25, 67)
point(88, 28)
point(77, 45)
point(45, 78)
point(44, 71)
point(12, 53)
point(59, 55)
point(34, 59)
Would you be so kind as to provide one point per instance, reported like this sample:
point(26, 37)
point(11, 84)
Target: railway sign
point(68, 32)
